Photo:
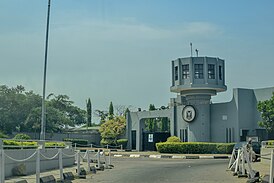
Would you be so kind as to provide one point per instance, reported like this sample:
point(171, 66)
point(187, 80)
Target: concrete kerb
point(167, 156)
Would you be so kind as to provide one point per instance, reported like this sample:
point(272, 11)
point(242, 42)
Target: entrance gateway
point(193, 117)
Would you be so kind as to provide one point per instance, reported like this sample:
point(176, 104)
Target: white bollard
point(109, 157)
point(107, 146)
point(90, 145)
point(2, 161)
point(249, 168)
point(121, 147)
point(88, 160)
point(271, 168)
point(78, 163)
point(37, 165)
point(61, 164)
point(243, 161)
point(106, 163)
point(98, 159)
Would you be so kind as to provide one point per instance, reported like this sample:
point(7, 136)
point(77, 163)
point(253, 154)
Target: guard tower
point(196, 79)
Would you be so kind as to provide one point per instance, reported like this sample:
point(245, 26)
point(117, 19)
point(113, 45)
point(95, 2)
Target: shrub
point(20, 144)
point(21, 136)
point(269, 144)
point(173, 139)
point(122, 142)
point(55, 144)
point(78, 142)
point(30, 144)
point(2, 135)
point(195, 147)
point(104, 142)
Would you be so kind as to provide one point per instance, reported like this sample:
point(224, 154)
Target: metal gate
point(151, 138)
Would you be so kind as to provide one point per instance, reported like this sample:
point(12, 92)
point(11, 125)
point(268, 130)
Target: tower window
point(211, 71)
point(198, 71)
point(176, 73)
point(220, 73)
point(185, 69)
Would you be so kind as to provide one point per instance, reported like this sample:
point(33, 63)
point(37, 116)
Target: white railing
point(240, 162)
point(118, 147)
point(38, 154)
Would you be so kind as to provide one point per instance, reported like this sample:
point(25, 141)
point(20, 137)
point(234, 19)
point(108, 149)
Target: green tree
point(20, 111)
point(126, 112)
point(62, 103)
point(112, 129)
point(110, 111)
point(102, 115)
point(15, 104)
point(89, 113)
point(151, 122)
point(267, 113)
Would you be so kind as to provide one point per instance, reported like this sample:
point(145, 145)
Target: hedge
point(78, 142)
point(195, 147)
point(269, 144)
point(173, 139)
point(29, 144)
point(55, 144)
point(122, 142)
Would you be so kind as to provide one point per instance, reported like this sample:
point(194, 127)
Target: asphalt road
point(147, 170)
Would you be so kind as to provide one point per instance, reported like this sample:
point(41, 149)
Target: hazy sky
point(121, 50)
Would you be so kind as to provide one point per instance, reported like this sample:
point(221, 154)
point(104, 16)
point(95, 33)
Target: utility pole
point(43, 119)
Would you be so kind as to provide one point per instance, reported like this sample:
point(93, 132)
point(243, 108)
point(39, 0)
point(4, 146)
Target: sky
point(121, 51)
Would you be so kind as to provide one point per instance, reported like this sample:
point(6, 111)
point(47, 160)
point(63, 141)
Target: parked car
point(256, 147)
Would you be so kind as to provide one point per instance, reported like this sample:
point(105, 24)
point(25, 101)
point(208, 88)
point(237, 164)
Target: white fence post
point(121, 147)
point(243, 162)
point(61, 164)
point(2, 161)
point(107, 146)
point(78, 163)
point(271, 167)
point(109, 157)
point(98, 159)
point(37, 165)
point(88, 160)
point(90, 145)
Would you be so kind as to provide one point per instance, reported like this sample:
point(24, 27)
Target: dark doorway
point(133, 139)
point(243, 136)
point(151, 138)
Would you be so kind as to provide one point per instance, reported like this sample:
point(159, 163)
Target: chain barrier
point(54, 156)
point(70, 156)
point(97, 146)
point(38, 154)
point(21, 160)
point(100, 153)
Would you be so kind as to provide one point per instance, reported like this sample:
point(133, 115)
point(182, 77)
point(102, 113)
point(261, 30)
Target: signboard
point(150, 137)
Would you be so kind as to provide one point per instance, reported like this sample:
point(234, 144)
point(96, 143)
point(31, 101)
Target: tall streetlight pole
point(43, 121)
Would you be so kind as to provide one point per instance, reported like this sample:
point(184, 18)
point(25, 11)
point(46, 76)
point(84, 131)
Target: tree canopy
point(112, 129)
point(267, 113)
point(89, 113)
point(113, 125)
point(20, 111)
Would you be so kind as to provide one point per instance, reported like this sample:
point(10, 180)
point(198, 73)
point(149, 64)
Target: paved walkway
point(263, 168)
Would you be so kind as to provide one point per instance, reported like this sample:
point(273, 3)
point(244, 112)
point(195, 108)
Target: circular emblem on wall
point(189, 113)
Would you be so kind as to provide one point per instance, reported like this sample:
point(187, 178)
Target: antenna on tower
point(191, 50)
point(197, 52)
